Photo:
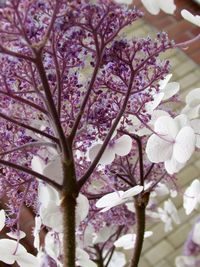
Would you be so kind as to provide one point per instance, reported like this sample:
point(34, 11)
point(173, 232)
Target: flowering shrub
point(87, 141)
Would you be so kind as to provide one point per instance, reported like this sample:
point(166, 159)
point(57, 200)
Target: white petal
point(52, 247)
point(118, 260)
point(173, 166)
point(164, 82)
point(125, 2)
point(133, 191)
point(104, 234)
point(196, 233)
point(190, 198)
point(167, 127)
point(167, 6)
point(52, 217)
point(190, 17)
point(170, 90)
point(83, 259)
point(158, 150)
point(2, 219)
point(191, 112)
point(152, 6)
point(37, 164)
point(150, 106)
point(110, 200)
point(195, 124)
point(27, 260)
point(7, 248)
point(82, 208)
point(54, 170)
point(47, 193)
point(126, 241)
point(107, 157)
point(185, 261)
point(184, 145)
point(16, 235)
point(182, 121)
point(171, 209)
point(193, 97)
point(123, 145)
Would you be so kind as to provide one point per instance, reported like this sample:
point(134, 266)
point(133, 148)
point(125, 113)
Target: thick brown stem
point(140, 207)
point(68, 203)
point(69, 206)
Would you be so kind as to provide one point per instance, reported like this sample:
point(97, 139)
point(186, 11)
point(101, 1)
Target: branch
point(31, 172)
point(51, 107)
point(21, 124)
point(6, 51)
point(25, 101)
point(33, 144)
point(85, 177)
point(85, 100)
point(140, 229)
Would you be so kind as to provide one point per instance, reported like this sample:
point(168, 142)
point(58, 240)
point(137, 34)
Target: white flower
point(167, 90)
point(191, 197)
point(16, 235)
point(139, 128)
point(82, 208)
point(125, 2)
point(195, 124)
point(190, 17)
point(185, 261)
point(173, 144)
point(128, 241)
point(154, 6)
point(12, 251)
point(192, 108)
point(83, 259)
point(36, 231)
point(168, 215)
point(50, 211)
point(121, 147)
point(103, 234)
point(53, 170)
point(118, 259)
point(196, 233)
point(2, 219)
point(117, 198)
point(53, 246)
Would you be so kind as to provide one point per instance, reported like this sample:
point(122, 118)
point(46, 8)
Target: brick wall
point(178, 29)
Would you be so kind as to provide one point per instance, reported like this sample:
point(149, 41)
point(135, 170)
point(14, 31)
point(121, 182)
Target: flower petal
point(54, 171)
point(184, 145)
point(158, 150)
point(37, 164)
point(173, 166)
point(16, 235)
point(107, 157)
point(167, 127)
point(190, 17)
point(133, 191)
point(167, 6)
point(82, 208)
point(191, 196)
point(123, 145)
point(196, 233)
point(27, 260)
point(152, 6)
point(110, 200)
point(170, 90)
point(7, 248)
point(2, 219)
